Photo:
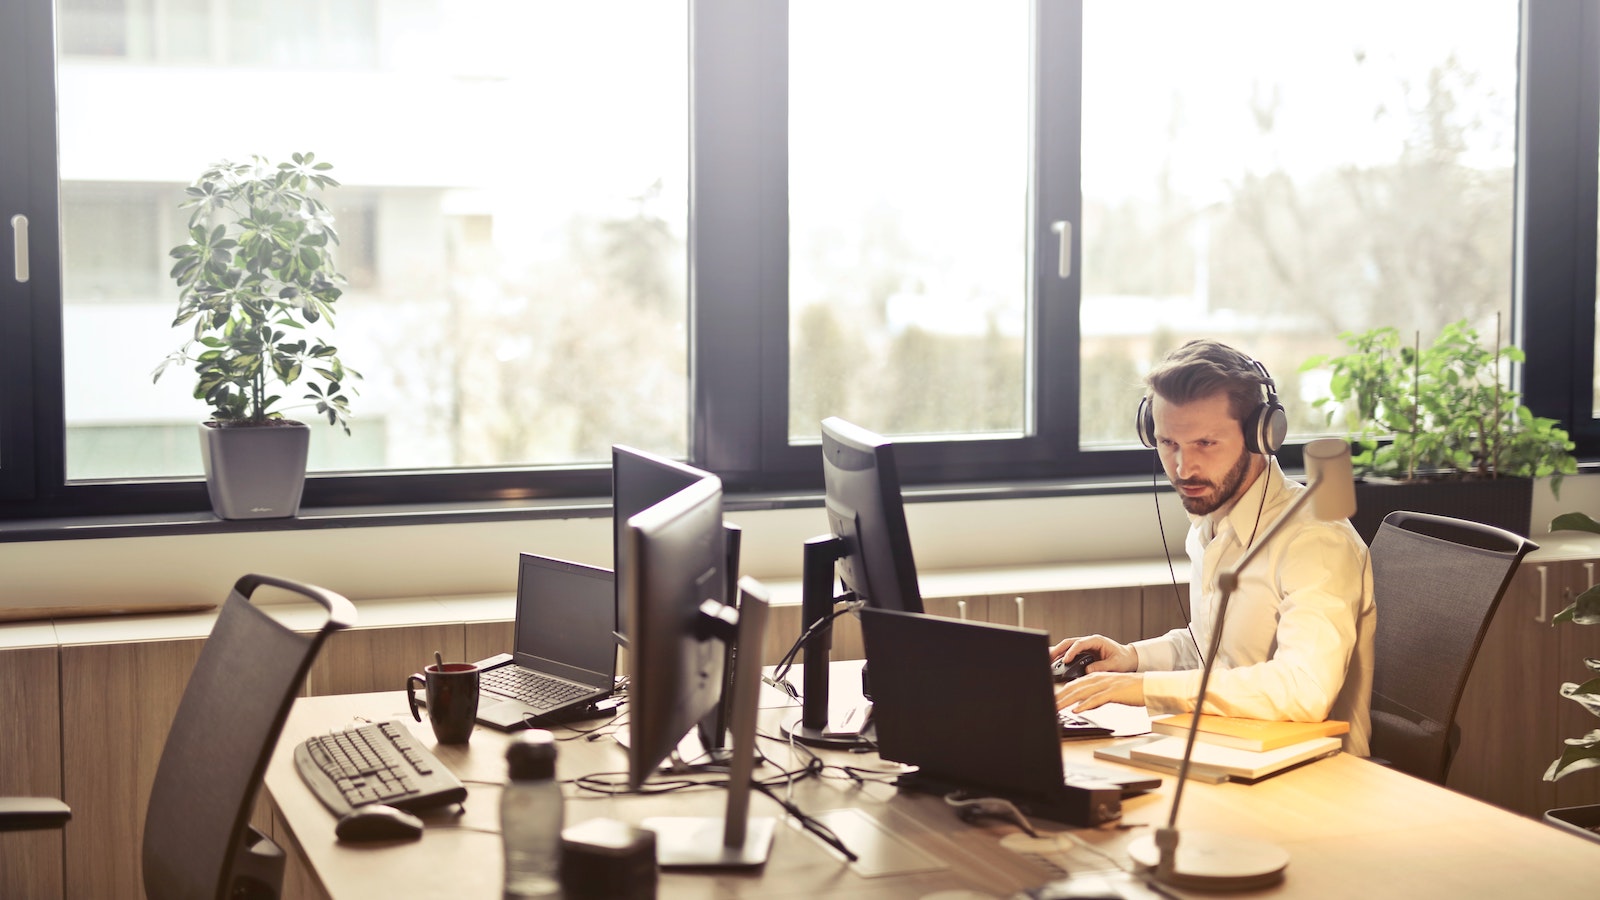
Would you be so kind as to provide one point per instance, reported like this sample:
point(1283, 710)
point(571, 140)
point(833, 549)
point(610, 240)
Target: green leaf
point(1585, 609)
point(1578, 755)
point(1586, 695)
point(1575, 521)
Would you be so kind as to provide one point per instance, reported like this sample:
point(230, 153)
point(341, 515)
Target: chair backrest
point(196, 836)
point(1436, 582)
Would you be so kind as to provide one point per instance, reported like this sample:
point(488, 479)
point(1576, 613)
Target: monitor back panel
point(968, 702)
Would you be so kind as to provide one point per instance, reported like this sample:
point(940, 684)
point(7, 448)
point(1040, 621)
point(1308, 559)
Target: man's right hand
point(1114, 657)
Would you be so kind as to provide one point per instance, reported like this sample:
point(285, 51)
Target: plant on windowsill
point(255, 275)
point(1579, 753)
point(1427, 417)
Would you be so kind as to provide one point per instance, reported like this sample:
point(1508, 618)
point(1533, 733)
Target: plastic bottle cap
point(532, 755)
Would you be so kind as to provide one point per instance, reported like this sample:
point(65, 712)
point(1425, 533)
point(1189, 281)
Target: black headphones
point(1264, 429)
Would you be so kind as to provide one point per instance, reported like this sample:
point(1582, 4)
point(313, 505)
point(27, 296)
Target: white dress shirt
point(1297, 643)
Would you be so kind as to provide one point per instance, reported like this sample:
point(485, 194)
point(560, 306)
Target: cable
point(970, 808)
point(823, 832)
point(781, 671)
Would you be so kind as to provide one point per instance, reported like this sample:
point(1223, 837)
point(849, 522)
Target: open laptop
point(972, 705)
point(563, 659)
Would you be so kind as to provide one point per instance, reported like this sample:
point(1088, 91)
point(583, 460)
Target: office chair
point(1436, 583)
point(198, 842)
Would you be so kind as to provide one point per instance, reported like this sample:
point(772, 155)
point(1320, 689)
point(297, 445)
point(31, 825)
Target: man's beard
point(1205, 504)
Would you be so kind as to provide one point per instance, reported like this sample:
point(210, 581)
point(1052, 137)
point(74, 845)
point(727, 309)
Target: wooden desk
point(1351, 828)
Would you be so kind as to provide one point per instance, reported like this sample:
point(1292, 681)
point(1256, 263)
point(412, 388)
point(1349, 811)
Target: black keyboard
point(376, 763)
point(532, 688)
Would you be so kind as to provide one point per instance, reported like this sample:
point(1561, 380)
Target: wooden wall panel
point(31, 862)
point(485, 639)
point(379, 659)
point(118, 702)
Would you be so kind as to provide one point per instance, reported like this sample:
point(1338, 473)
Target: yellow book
point(1249, 734)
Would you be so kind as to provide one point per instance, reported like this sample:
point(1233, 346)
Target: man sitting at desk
point(1297, 644)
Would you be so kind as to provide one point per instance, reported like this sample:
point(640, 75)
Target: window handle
point(1064, 258)
point(19, 245)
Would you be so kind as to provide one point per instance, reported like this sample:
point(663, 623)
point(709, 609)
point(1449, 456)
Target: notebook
point(562, 640)
point(972, 705)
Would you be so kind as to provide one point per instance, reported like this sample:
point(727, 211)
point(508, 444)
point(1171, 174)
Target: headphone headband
point(1264, 428)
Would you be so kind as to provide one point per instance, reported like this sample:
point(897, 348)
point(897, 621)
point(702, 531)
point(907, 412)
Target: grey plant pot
point(255, 472)
point(1502, 502)
point(1579, 820)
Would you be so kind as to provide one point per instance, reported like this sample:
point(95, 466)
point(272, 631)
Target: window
point(908, 217)
point(512, 216)
point(1274, 174)
point(699, 227)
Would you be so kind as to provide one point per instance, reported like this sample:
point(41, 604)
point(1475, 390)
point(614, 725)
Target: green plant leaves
point(257, 261)
point(1579, 754)
point(1413, 410)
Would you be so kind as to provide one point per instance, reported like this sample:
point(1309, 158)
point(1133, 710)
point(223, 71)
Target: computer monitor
point(671, 577)
point(869, 548)
point(671, 573)
point(639, 480)
point(866, 512)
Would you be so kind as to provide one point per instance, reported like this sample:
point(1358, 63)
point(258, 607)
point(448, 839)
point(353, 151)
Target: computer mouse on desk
point(1065, 671)
point(378, 822)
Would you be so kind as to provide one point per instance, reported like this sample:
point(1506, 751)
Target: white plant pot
point(255, 471)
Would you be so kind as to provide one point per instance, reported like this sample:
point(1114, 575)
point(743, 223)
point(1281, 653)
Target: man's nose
point(1179, 465)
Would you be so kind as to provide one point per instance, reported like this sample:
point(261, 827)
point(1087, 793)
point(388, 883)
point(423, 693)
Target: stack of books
point(1229, 749)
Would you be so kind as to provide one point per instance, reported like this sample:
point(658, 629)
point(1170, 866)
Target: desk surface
point(1351, 828)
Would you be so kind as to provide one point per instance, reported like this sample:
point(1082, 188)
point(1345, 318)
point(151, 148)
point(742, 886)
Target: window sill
point(312, 519)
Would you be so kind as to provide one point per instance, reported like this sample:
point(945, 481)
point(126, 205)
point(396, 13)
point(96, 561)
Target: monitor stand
point(817, 601)
point(735, 839)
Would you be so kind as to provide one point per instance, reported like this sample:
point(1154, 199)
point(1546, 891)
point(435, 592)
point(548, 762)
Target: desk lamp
point(1205, 860)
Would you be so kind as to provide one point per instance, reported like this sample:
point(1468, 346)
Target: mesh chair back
point(228, 722)
point(1436, 582)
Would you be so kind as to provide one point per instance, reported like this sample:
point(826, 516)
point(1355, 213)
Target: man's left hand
point(1100, 688)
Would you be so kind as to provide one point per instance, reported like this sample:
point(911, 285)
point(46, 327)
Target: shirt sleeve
point(1319, 576)
point(1173, 650)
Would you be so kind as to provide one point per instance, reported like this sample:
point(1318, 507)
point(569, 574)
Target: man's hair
point(1202, 368)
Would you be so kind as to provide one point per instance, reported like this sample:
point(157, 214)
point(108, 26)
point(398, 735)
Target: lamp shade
point(1328, 471)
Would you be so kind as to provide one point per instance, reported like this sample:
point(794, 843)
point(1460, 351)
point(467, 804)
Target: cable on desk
point(823, 832)
point(781, 672)
point(969, 808)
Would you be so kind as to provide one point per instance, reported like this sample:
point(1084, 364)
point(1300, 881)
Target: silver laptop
point(563, 659)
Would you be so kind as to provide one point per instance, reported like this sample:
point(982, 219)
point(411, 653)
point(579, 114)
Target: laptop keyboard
point(532, 688)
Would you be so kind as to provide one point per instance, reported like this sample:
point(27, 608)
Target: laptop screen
point(564, 618)
point(967, 702)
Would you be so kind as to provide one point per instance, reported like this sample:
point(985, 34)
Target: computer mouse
point(1064, 671)
point(378, 822)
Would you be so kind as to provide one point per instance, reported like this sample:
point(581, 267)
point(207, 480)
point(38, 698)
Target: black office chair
point(1436, 582)
point(198, 842)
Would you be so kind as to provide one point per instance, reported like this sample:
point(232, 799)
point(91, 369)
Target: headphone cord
point(1177, 597)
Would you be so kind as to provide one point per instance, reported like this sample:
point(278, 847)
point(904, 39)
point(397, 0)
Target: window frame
point(738, 279)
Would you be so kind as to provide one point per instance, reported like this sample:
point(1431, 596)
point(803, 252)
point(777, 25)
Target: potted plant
point(1429, 418)
point(1579, 753)
point(254, 276)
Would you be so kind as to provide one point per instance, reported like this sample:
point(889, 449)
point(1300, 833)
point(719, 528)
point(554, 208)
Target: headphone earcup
point(1265, 430)
point(1144, 422)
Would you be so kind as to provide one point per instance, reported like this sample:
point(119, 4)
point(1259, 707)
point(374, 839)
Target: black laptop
point(972, 706)
point(563, 658)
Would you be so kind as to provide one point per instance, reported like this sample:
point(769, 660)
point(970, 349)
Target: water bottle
point(531, 818)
